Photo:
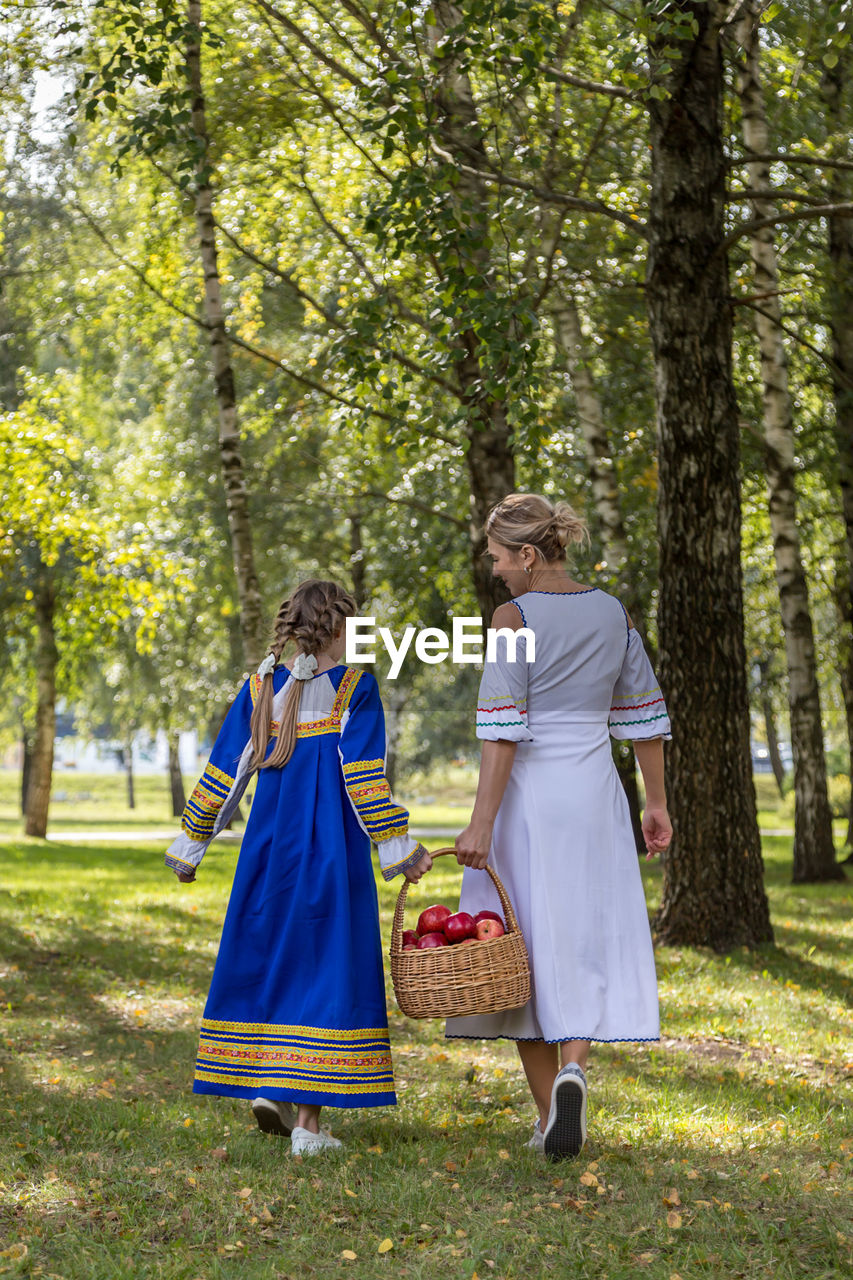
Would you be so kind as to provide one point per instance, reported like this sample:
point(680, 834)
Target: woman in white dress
point(552, 818)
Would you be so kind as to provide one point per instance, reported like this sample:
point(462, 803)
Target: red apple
point(432, 919)
point(431, 940)
point(487, 915)
point(488, 930)
point(459, 926)
point(410, 946)
point(409, 936)
point(464, 940)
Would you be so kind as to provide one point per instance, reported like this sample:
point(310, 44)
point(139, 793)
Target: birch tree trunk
point(176, 779)
point(599, 455)
point(46, 660)
point(713, 891)
point(230, 453)
point(26, 767)
point(814, 850)
point(601, 467)
point(128, 772)
point(839, 306)
point(489, 456)
point(770, 725)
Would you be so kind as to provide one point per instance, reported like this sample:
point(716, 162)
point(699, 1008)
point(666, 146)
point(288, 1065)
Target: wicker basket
point(450, 982)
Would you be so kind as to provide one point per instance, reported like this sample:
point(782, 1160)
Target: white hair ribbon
point(304, 666)
point(267, 665)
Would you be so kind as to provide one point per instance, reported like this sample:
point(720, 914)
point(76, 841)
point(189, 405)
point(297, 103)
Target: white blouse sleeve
point(502, 700)
point(638, 710)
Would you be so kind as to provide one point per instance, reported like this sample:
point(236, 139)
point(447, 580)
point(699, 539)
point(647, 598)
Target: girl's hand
point(417, 869)
point(185, 877)
point(657, 830)
point(473, 845)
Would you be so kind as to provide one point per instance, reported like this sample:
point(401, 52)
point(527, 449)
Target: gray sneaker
point(537, 1142)
point(565, 1132)
point(274, 1115)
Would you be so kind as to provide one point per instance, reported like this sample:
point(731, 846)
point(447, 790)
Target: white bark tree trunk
point(230, 452)
point(814, 850)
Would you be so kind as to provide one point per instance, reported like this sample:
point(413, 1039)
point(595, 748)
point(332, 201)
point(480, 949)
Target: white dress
point(563, 843)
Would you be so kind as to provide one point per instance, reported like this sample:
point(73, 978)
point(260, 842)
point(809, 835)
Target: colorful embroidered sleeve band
point(208, 797)
point(638, 709)
point(502, 700)
point(362, 753)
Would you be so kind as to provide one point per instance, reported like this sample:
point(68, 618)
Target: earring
point(527, 568)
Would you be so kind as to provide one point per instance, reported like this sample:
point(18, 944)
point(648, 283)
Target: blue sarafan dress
point(297, 1002)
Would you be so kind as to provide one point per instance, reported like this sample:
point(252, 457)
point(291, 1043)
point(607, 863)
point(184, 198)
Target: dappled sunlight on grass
point(722, 1151)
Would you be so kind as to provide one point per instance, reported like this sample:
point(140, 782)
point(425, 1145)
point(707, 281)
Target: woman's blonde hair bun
point(529, 519)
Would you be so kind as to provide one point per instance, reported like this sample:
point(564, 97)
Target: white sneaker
point(274, 1115)
point(565, 1132)
point(537, 1142)
point(305, 1143)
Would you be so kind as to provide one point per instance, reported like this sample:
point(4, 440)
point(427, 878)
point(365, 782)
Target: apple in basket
point(459, 927)
point(431, 940)
point(432, 919)
point(487, 915)
point(488, 930)
point(410, 938)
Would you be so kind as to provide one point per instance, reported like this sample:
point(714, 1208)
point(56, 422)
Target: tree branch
point(799, 215)
point(566, 77)
point(786, 157)
point(315, 49)
point(416, 506)
point(841, 374)
point(634, 225)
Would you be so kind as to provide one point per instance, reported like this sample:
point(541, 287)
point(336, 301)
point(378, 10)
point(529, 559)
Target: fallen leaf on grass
point(673, 1219)
point(589, 1179)
point(219, 1153)
point(245, 1193)
point(265, 1215)
point(16, 1251)
point(347, 1192)
point(349, 1255)
point(385, 1246)
point(375, 1151)
point(503, 1155)
point(671, 1198)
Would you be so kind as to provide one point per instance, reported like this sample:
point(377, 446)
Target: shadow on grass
point(787, 966)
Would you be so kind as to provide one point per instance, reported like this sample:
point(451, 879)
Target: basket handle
point(397, 925)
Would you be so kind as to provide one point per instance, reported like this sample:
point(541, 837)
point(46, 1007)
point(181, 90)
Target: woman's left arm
point(657, 828)
point(474, 843)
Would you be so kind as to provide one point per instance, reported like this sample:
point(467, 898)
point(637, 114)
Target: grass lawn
point(724, 1151)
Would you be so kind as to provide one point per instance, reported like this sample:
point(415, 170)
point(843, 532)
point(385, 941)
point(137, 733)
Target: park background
point(302, 288)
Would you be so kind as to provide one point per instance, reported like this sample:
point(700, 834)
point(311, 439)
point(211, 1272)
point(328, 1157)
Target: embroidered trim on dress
point(178, 864)
point(646, 720)
point(370, 793)
point(388, 873)
point(209, 795)
point(457, 1035)
point(314, 1059)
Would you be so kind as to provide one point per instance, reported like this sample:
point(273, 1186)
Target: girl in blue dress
point(296, 1011)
